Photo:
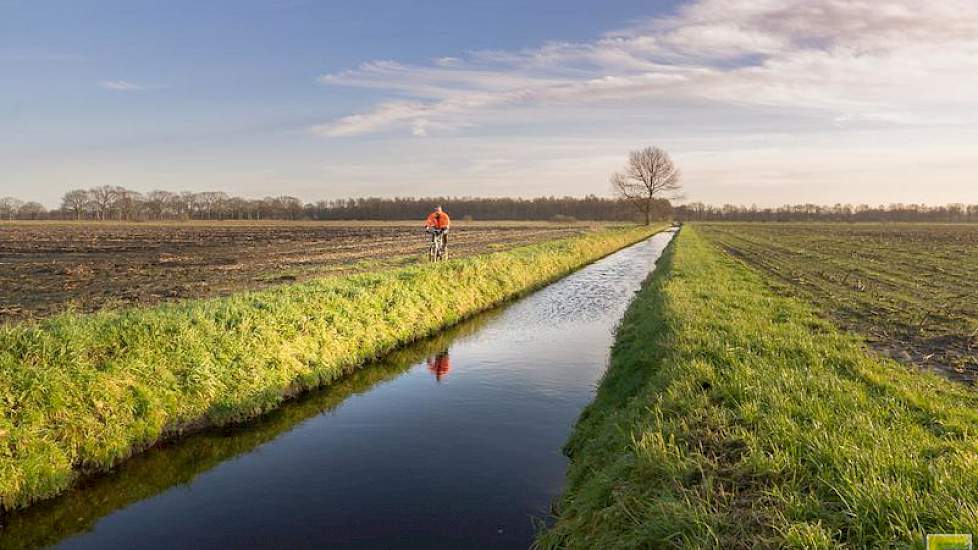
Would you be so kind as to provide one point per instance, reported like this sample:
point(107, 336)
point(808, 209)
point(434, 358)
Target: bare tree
point(239, 208)
point(184, 204)
point(196, 203)
point(127, 203)
point(290, 206)
point(210, 203)
point(76, 201)
point(159, 203)
point(102, 199)
point(31, 211)
point(649, 176)
point(9, 207)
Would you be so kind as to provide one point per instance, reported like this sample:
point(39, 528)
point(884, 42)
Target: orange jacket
point(439, 221)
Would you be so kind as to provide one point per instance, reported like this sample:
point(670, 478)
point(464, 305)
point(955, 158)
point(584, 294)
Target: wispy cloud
point(898, 61)
point(121, 86)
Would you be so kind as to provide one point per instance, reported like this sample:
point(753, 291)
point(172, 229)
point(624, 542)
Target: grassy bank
point(80, 393)
point(732, 417)
point(143, 476)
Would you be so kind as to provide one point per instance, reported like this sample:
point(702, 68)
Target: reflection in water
point(179, 462)
point(440, 364)
point(350, 466)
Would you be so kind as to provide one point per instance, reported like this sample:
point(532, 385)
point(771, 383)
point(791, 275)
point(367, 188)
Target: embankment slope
point(732, 417)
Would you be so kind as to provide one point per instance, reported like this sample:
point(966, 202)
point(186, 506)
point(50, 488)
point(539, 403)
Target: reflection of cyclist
point(440, 364)
point(439, 222)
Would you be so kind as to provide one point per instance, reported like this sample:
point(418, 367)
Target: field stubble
point(911, 290)
point(48, 267)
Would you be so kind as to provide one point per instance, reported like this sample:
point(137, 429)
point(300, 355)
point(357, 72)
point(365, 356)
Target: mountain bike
point(437, 250)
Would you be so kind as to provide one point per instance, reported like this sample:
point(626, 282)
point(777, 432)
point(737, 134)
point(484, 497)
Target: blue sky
point(759, 102)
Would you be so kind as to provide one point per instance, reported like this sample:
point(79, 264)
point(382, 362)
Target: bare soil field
point(48, 267)
point(910, 289)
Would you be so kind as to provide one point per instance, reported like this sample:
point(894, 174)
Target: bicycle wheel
point(441, 247)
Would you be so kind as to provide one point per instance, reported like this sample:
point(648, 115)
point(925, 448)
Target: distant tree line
point(590, 207)
point(118, 203)
point(109, 202)
point(952, 213)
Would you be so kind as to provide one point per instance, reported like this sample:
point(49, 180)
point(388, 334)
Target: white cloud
point(120, 86)
point(447, 61)
point(895, 62)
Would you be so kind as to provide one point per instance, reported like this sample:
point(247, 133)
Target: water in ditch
point(454, 442)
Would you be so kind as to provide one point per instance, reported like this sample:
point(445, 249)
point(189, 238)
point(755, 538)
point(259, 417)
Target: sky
point(762, 102)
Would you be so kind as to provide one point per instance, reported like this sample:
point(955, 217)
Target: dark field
point(912, 290)
point(46, 267)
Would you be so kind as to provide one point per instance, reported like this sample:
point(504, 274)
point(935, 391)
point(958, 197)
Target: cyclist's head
point(438, 209)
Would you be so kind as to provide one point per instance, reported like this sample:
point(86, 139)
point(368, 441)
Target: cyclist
point(438, 223)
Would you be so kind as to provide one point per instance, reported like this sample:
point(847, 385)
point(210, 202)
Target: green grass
point(80, 393)
point(732, 417)
point(909, 288)
point(148, 474)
